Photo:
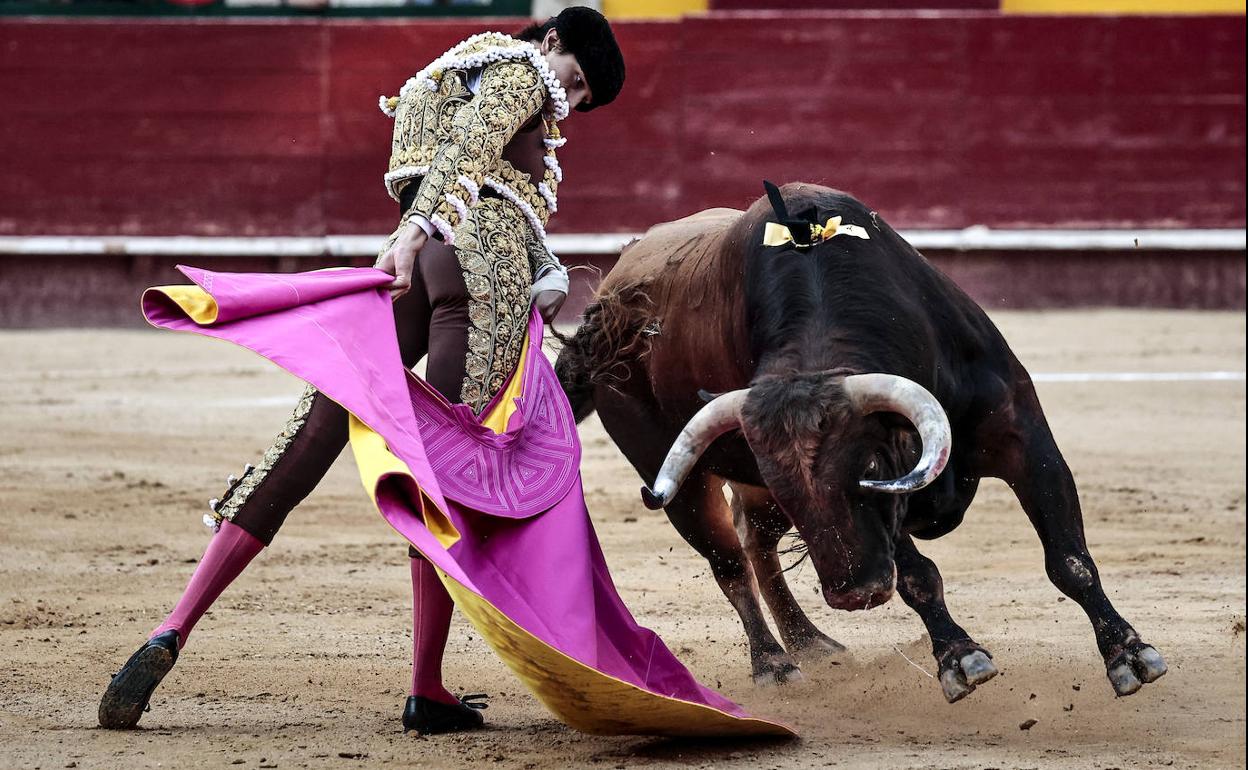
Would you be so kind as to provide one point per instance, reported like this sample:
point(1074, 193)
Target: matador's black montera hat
point(586, 35)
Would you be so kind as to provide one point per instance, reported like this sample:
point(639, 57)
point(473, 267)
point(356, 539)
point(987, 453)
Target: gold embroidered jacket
point(457, 143)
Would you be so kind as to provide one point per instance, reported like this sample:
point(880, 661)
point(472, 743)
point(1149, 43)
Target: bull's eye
point(872, 466)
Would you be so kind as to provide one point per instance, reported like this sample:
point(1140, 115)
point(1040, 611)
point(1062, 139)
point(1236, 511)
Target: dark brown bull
point(835, 362)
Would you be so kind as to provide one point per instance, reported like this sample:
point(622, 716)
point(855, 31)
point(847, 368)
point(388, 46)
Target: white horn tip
point(659, 496)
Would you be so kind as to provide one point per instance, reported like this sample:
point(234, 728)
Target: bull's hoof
point(963, 671)
point(778, 677)
point(1135, 667)
point(775, 669)
point(815, 648)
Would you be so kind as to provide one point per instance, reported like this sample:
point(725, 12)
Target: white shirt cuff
point(552, 278)
point(423, 223)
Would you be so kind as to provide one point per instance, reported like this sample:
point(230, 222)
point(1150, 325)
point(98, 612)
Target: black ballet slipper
point(131, 688)
point(429, 717)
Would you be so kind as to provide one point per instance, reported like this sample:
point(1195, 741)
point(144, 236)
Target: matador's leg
point(249, 515)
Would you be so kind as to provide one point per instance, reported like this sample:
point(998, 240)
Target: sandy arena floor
point(110, 442)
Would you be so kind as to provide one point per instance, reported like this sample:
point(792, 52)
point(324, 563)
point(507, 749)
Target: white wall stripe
point(970, 239)
point(148, 372)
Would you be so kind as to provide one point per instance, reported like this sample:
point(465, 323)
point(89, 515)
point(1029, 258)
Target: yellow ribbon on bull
point(778, 235)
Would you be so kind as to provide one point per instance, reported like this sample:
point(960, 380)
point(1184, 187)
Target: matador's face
point(565, 67)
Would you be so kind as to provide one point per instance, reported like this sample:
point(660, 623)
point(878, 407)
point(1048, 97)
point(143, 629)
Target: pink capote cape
point(501, 515)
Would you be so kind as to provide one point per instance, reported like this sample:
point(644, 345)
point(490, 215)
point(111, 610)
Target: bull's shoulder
point(666, 246)
point(672, 239)
point(701, 222)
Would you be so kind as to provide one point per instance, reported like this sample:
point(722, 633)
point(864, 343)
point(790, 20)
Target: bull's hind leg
point(1036, 471)
point(762, 523)
point(962, 663)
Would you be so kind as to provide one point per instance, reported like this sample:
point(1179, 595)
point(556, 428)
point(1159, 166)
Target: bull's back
point(670, 250)
point(685, 277)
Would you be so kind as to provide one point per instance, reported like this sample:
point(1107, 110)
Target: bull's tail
point(603, 350)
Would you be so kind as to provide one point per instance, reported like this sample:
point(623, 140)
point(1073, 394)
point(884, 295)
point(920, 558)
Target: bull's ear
point(707, 396)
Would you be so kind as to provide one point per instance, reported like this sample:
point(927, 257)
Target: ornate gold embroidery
point(239, 494)
point(493, 254)
point(522, 185)
point(419, 121)
point(539, 256)
point(425, 124)
point(509, 94)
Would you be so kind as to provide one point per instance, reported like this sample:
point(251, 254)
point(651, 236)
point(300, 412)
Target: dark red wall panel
point(947, 120)
point(162, 127)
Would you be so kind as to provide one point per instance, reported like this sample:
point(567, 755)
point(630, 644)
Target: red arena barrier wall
point(939, 121)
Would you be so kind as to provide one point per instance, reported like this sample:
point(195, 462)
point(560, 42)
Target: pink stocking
point(431, 624)
point(230, 550)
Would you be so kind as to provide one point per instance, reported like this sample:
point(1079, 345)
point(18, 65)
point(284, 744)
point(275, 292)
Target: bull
point(861, 398)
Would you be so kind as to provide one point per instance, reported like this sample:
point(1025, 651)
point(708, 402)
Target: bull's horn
point(890, 393)
point(712, 421)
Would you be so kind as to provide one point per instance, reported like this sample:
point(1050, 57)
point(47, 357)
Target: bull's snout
point(863, 596)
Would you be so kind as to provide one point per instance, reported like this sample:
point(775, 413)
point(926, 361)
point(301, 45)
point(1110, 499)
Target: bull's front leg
point(761, 524)
point(961, 662)
point(701, 515)
point(1038, 474)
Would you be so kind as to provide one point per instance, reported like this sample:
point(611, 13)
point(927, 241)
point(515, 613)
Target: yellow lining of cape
point(375, 460)
point(194, 301)
point(498, 417)
point(587, 699)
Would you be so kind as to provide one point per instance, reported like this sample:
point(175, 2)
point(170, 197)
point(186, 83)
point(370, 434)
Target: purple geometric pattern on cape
point(517, 474)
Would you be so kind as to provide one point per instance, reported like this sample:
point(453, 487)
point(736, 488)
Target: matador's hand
point(548, 303)
point(400, 260)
